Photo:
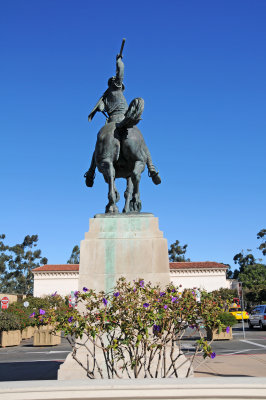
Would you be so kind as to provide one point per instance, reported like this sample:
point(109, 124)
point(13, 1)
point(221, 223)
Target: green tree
point(74, 258)
point(262, 246)
point(177, 252)
point(253, 278)
point(19, 261)
point(4, 259)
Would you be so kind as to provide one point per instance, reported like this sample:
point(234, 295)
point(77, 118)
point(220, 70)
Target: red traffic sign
point(4, 302)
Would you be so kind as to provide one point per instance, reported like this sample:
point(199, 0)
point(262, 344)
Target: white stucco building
point(206, 275)
point(63, 278)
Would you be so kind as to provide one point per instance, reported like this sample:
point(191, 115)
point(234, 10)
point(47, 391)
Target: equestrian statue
point(120, 150)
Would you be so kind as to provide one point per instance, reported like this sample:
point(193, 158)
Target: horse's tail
point(133, 114)
point(152, 170)
point(90, 174)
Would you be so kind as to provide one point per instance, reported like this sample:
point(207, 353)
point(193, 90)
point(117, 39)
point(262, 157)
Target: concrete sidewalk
point(231, 365)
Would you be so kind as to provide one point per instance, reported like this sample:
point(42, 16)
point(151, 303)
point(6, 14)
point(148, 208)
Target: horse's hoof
point(111, 210)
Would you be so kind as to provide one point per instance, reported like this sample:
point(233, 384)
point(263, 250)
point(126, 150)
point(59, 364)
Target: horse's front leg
point(135, 203)
point(128, 195)
point(108, 171)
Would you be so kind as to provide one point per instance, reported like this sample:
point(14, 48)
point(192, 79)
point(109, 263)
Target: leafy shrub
point(21, 313)
point(38, 302)
point(227, 319)
point(9, 322)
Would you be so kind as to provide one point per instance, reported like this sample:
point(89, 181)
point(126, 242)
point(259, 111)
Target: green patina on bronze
point(110, 225)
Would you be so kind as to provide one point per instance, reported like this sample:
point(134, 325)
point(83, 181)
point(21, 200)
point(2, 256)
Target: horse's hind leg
point(108, 171)
point(135, 203)
point(128, 195)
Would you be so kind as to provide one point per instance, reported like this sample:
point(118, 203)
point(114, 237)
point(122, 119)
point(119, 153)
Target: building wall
point(203, 279)
point(63, 283)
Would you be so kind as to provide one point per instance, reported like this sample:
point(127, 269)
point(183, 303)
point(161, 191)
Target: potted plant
point(223, 331)
point(22, 313)
point(46, 334)
point(10, 334)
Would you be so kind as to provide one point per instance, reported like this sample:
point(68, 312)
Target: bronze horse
point(121, 154)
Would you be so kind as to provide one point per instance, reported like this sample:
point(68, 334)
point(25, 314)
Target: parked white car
point(258, 317)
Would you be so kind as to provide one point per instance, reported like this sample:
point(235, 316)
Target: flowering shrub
point(137, 328)
point(31, 316)
point(20, 312)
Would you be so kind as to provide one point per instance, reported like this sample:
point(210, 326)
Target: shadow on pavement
point(29, 371)
point(199, 374)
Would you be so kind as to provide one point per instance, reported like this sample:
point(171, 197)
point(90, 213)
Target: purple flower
point(193, 292)
point(141, 283)
point(156, 328)
point(165, 307)
point(173, 290)
point(162, 294)
point(213, 355)
point(70, 319)
point(54, 294)
point(105, 301)
point(76, 293)
point(146, 305)
point(173, 299)
point(85, 289)
point(134, 289)
point(32, 315)
point(116, 294)
point(228, 329)
point(42, 312)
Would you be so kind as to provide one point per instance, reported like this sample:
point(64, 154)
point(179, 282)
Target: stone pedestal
point(129, 245)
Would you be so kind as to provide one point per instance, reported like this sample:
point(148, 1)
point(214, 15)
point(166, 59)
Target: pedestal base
point(129, 245)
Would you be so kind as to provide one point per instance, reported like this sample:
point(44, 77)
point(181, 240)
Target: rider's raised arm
point(119, 71)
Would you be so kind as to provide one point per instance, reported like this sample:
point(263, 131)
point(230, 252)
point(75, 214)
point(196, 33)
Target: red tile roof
point(57, 267)
point(172, 265)
point(197, 265)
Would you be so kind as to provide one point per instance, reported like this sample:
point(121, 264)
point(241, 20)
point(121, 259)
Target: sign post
point(4, 302)
point(240, 295)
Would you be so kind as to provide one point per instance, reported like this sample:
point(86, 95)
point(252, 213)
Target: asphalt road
point(26, 362)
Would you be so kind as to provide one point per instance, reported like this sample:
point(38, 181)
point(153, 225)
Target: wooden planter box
point(212, 334)
point(28, 332)
point(10, 338)
point(43, 336)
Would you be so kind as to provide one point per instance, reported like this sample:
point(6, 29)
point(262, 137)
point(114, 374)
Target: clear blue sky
point(200, 67)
